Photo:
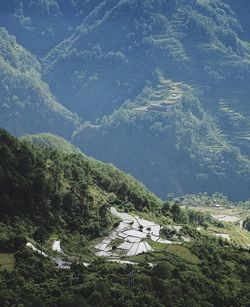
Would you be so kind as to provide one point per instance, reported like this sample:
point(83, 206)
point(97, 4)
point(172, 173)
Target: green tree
point(176, 211)
point(41, 235)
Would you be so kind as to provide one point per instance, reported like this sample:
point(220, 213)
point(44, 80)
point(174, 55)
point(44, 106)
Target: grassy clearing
point(158, 247)
point(148, 257)
point(238, 236)
point(7, 261)
point(78, 246)
point(184, 253)
point(236, 211)
point(100, 197)
point(163, 251)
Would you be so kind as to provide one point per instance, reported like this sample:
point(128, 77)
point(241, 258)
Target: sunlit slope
point(26, 102)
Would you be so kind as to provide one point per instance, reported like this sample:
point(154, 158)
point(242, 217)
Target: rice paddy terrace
point(234, 117)
point(137, 240)
point(132, 237)
point(232, 218)
point(166, 94)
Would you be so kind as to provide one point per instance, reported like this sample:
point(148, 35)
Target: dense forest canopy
point(46, 192)
point(36, 181)
point(158, 88)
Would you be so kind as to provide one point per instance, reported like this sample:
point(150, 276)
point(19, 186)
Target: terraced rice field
point(135, 235)
point(166, 94)
point(235, 120)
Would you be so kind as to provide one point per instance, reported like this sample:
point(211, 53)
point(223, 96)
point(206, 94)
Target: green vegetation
point(159, 88)
point(62, 192)
point(26, 103)
point(177, 142)
point(222, 280)
point(40, 25)
point(237, 235)
point(51, 140)
point(162, 86)
point(7, 261)
point(216, 200)
point(47, 194)
point(222, 272)
point(184, 253)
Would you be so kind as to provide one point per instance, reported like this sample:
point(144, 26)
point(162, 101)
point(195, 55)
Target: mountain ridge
point(113, 58)
point(48, 197)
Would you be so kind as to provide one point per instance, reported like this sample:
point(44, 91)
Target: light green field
point(239, 212)
point(184, 253)
point(162, 251)
point(7, 261)
point(237, 235)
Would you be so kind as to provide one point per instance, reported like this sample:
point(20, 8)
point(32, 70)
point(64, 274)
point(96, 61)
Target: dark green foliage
point(46, 191)
point(51, 140)
point(176, 212)
point(63, 191)
point(221, 280)
point(41, 235)
point(164, 84)
point(246, 223)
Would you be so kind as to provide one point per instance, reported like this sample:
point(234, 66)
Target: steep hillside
point(241, 9)
point(179, 71)
point(165, 139)
point(40, 25)
point(52, 141)
point(26, 103)
point(200, 46)
point(62, 190)
point(45, 194)
point(116, 49)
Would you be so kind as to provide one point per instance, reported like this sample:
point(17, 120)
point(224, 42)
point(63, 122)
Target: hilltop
point(52, 141)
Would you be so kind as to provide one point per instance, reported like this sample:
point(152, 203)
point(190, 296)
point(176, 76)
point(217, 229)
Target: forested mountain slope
point(163, 83)
point(117, 48)
point(52, 141)
point(170, 147)
point(45, 193)
point(59, 189)
point(172, 50)
point(26, 103)
point(40, 25)
point(241, 9)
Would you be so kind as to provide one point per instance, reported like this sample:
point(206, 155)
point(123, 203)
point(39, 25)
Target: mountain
point(160, 89)
point(27, 104)
point(193, 41)
point(173, 147)
point(161, 86)
point(46, 194)
point(57, 189)
point(40, 25)
point(181, 131)
point(240, 9)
